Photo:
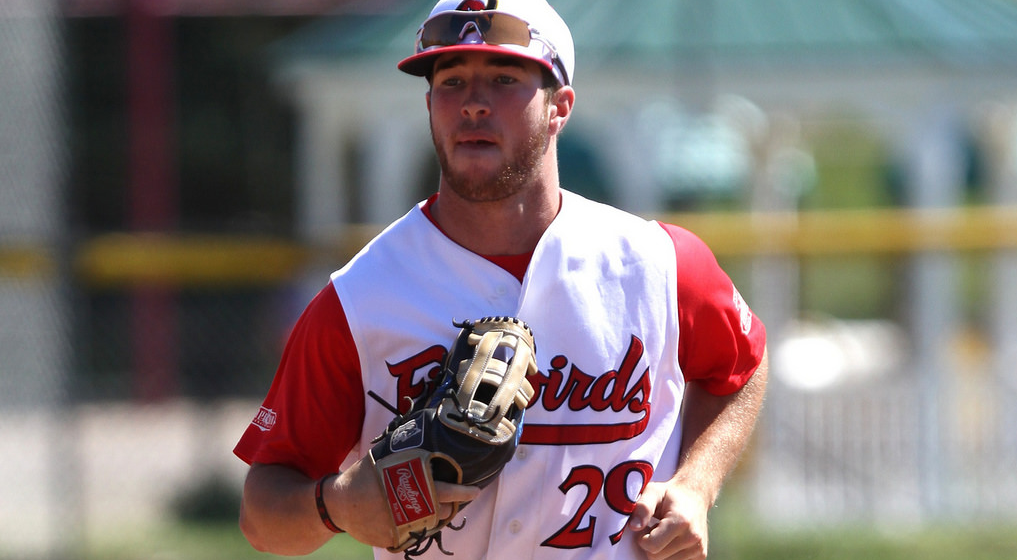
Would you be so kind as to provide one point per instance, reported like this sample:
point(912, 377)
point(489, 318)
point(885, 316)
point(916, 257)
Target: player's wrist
point(699, 486)
point(320, 488)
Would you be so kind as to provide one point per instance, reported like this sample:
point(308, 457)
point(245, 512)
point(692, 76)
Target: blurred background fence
point(177, 179)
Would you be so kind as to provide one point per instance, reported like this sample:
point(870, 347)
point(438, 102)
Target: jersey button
point(521, 453)
point(515, 526)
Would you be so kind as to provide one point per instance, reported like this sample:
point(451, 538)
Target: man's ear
point(560, 108)
point(427, 98)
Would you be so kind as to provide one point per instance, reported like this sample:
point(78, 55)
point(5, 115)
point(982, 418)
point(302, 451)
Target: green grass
point(734, 535)
point(944, 543)
point(208, 541)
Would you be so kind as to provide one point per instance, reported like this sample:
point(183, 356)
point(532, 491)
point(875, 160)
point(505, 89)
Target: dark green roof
point(768, 33)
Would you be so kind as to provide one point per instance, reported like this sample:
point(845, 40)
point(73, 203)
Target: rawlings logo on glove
point(464, 432)
point(409, 497)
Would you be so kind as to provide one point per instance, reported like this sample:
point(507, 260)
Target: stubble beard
point(520, 169)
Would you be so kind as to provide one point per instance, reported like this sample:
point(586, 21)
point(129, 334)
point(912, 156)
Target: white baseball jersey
point(601, 294)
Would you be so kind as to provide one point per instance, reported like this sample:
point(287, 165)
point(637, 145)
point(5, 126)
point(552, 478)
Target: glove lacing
point(467, 416)
point(424, 541)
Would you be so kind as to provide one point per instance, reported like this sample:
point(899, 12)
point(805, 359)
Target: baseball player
point(650, 367)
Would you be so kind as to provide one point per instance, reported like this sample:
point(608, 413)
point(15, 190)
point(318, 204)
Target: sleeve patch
point(745, 314)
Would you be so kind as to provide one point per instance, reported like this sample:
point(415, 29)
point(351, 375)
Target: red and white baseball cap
point(525, 28)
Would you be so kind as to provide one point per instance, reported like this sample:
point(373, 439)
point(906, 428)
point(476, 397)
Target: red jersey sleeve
point(314, 410)
point(720, 341)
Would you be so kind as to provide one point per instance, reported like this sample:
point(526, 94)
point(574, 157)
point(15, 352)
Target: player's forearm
point(716, 431)
point(278, 513)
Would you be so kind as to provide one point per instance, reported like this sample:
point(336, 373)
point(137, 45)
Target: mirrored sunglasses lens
point(496, 29)
point(508, 30)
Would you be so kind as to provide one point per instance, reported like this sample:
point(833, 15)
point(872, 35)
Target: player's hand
point(682, 531)
point(358, 506)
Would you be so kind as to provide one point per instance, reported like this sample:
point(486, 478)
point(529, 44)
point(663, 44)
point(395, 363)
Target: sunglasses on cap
point(449, 28)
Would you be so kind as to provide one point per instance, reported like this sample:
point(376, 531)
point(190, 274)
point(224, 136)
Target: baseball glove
point(464, 432)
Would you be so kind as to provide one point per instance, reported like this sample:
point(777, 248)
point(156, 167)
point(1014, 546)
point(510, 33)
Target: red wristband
point(319, 500)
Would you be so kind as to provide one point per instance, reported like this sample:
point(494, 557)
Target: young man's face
point(489, 123)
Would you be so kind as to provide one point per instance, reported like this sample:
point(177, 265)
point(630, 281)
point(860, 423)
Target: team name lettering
point(581, 390)
point(405, 371)
point(618, 390)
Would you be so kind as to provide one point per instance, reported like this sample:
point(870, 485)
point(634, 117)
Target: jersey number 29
point(616, 495)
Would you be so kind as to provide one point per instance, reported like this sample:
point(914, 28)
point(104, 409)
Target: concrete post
point(323, 193)
point(392, 157)
point(1001, 132)
point(935, 180)
point(37, 468)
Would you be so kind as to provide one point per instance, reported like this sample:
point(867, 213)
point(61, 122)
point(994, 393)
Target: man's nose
point(477, 102)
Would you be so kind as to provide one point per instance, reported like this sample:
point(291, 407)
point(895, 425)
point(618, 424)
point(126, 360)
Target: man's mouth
point(475, 139)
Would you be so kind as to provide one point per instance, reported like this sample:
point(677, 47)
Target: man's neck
point(506, 227)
